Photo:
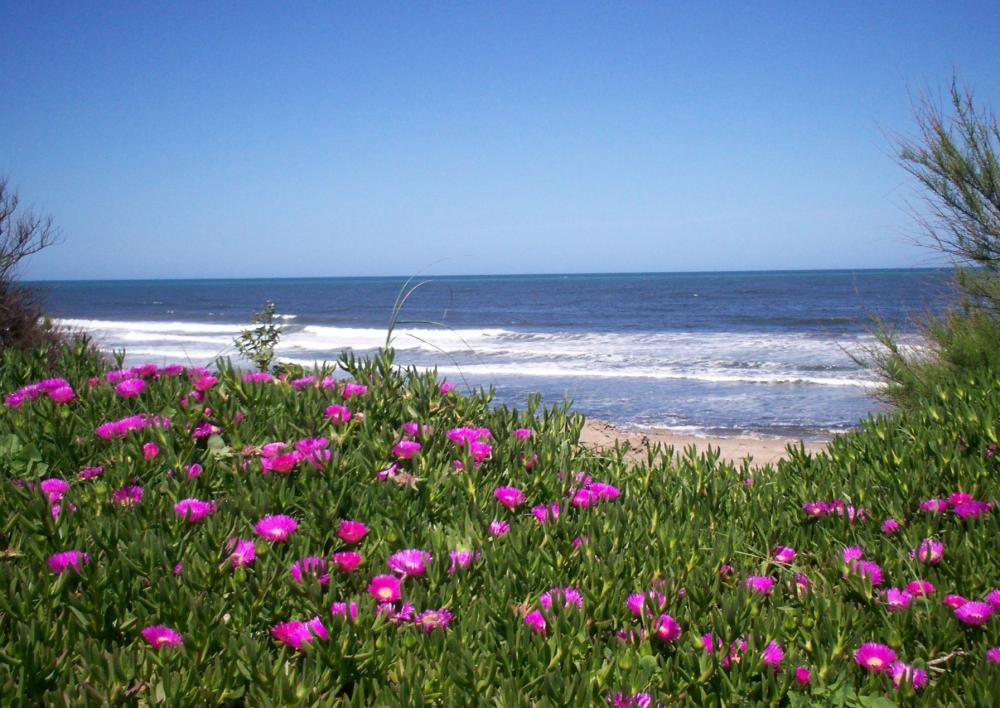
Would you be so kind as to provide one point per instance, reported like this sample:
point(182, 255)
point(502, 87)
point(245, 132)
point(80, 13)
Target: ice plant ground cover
point(233, 542)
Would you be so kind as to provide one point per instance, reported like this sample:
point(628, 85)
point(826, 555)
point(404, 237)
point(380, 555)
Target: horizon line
point(489, 275)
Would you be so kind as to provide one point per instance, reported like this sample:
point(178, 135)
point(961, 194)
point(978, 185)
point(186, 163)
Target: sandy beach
point(599, 434)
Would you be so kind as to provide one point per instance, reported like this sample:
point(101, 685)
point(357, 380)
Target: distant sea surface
point(763, 353)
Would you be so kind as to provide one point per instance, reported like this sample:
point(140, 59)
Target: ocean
point(755, 353)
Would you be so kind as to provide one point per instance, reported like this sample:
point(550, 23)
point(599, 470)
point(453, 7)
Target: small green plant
point(257, 344)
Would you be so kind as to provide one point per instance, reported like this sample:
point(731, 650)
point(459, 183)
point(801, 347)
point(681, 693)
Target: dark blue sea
point(762, 353)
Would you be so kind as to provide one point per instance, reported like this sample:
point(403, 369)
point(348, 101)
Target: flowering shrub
point(199, 537)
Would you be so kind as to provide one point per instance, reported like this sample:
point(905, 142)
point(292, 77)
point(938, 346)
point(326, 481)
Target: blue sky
point(246, 139)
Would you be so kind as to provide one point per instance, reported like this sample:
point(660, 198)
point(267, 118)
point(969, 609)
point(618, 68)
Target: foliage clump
point(257, 344)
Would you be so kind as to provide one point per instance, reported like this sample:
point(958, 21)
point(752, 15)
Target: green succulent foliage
point(74, 638)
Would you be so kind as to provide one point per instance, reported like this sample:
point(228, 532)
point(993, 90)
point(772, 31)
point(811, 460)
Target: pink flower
point(636, 602)
point(244, 552)
point(297, 634)
point(954, 601)
point(783, 554)
point(735, 650)
point(150, 450)
point(412, 561)
point(353, 389)
point(338, 414)
point(193, 471)
point(345, 610)
point(890, 527)
point(406, 449)
point(802, 675)
point(896, 599)
point(446, 388)
point(130, 388)
point(91, 472)
point(536, 621)
point(498, 528)
point(351, 531)
point(385, 588)
point(62, 395)
point(874, 657)
point(666, 628)
point(993, 655)
point(388, 473)
point(543, 513)
point(868, 570)
point(127, 496)
point(971, 509)
point(205, 383)
point(159, 636)
point(902, 674)
point(429, 620)
point(935, 506)
point(522, 433)
point(312, 566)
point(973, 612)
point(276, 528)
point(930, 551)
point(993, 598)
point(510, 497)
point(816, 508)
point(54, 489)
point(568, 595)
point(193, 510)
point(64, 560)
point(282, 463)
point(347, 561)
point(302, 382)
point(920, 588)
point(761, 585)
point(852, 553)
point(773, 654)
point(461, 559)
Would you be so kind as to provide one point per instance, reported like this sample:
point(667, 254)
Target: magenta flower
point(65, 560)
point(993, 655)
point(874, 657)
point(461, 559)
point(543, 513)
point(802, 675)
point(303, 382)
point(536, 620)
point(903, 674)
point(127, 496)
point(783, 554)
point(974, 612)
point(772, 655)
point(816, 508)
point(852, 553)
point(91, 472)
point(193, 471)
point(297, 634)
point(920, 588)
point(353, 389)
point(736, 649)
point(971, 509)
point(149, 451)
point(412, 561)
point(312, 566)
point(205, 383)
point(429, 620)
point(276, 528)
point(993, 598)
point(54, 489)
point(666, 628)
point(345, 610)
point(761, 585)
point(159, 636)
point(337, 414)
point(869, 570)
point(890, 527)
point(244, 552)
point(522, 433)
point(954, 601)
point(406, 449)
point(130, 388)
point(896, 599)
point(636, 602)
point(568, 595)
point(510, 497)
point(351, 531)
point(935, 506)
point(347, 561)
point(498, 528)
point(385, 588)
point(62, 395)
point(930, 551)
point(193, 510)
point(445, 388)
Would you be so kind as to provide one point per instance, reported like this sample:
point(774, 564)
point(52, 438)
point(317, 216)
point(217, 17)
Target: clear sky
point(293, 139)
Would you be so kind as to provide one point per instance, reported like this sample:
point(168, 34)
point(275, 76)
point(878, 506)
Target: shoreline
point(600, 435)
